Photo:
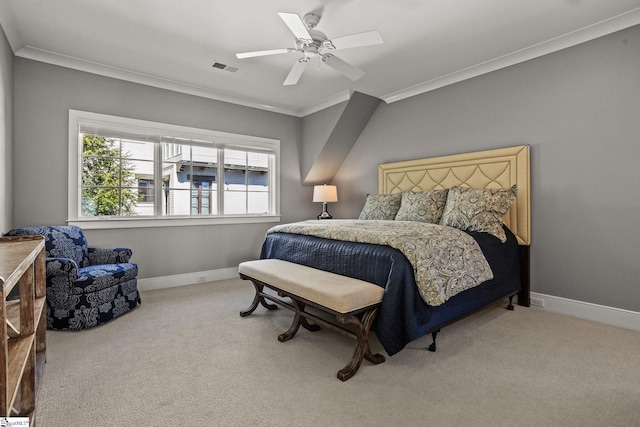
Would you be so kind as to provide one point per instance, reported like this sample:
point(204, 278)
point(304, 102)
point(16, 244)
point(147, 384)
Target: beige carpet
point(186, 358)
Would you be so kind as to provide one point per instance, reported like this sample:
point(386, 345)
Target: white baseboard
point(187, 279)
point(585, 310)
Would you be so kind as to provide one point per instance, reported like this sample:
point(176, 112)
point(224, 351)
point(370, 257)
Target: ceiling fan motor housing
point(319, 42)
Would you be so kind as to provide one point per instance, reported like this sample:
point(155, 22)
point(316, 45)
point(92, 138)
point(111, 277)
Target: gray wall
point(316, 129)
point(44, 94)
point(579, 109)
point(6, 131)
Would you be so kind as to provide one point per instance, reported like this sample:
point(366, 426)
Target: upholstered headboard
point(499, 168)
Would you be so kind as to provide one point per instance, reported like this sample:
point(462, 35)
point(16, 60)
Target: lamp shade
point(325, 193)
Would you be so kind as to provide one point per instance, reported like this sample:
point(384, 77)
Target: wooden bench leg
point(298, 320)
point(309, 326)
point(360, 323)
point(362, 349)
point(257, 299)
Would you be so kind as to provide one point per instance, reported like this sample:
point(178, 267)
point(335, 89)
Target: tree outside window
point(108, 178)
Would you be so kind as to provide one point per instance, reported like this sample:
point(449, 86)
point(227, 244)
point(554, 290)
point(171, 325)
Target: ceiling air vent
point(225, 67)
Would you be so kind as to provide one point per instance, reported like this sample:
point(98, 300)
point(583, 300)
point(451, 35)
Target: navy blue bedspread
point(403, 315)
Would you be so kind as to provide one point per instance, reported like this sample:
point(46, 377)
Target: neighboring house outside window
point(127, 172)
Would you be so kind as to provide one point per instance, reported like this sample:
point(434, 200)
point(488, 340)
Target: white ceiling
point(427, 43)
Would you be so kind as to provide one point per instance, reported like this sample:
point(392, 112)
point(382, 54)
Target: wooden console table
point(23, 341)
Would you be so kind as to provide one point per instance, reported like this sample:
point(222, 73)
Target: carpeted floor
point(186, 358)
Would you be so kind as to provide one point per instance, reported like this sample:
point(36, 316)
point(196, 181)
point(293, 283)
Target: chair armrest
point(62, 267)
point(99, 256)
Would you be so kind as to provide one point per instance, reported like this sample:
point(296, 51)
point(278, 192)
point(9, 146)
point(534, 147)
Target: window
point(133, 172)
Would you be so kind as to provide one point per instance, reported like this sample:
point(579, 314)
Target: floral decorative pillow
point(381, 206)
point(426, 206)
point(477, 209)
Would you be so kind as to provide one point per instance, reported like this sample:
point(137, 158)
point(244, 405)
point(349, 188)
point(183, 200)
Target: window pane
point(235, 157)
point(100, 201)
point(117, 177)
point(145, 190)
point(258, 160)
point(258, 195)
point(194, 171)
point(204, 184)
point(246, 179)
point(141, 160)
point(176, 170)
point(258, 180)
point(235, 202)
point(146, 197)
point(108, 178)
point(176, 165)
point(190, 202)
point(138, 150)
point(205, 155)
point(100, 161)
point(204, 199)
point(258, 202)
point(177, 202)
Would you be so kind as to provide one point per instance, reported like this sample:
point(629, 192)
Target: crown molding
point(573, 38)
point(53, 58)
point(35, 54)
point(326, 103)
point(9, 24)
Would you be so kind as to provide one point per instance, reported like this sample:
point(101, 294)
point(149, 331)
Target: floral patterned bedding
point(445, 260)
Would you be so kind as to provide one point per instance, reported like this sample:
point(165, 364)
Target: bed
point(405, 314)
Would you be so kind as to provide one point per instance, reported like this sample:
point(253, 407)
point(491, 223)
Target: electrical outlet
point(201, 279)
point(538, 302)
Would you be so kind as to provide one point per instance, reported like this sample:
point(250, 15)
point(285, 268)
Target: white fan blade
point(296, 72)
point(342, 67)
point(356, 40)
point(263, 53)
point(296, 25)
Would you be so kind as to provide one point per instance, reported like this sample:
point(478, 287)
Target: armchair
point(85, 286)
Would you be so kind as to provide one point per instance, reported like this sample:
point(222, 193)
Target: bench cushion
point(341, 294)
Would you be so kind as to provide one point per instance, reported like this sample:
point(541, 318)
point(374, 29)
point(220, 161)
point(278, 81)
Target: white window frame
point(79, 118)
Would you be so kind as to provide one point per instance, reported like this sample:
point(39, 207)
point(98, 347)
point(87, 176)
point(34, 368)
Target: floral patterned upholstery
point(85, 286)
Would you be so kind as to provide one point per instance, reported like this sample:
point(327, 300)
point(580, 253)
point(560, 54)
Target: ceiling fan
point(313, 43)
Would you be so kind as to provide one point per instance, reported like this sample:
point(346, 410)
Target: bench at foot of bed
point(353, 302)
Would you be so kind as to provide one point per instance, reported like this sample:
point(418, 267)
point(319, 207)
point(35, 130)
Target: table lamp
point(325, 194)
